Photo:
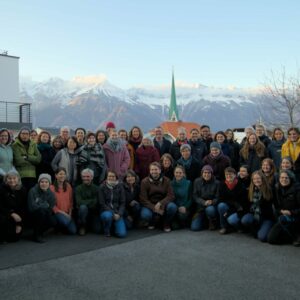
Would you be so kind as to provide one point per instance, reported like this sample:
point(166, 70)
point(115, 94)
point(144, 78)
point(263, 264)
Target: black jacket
point(164, 148)
point(193, 171)
point(253, 161)
point(199, 149)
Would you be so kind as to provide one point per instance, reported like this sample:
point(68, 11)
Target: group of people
point(111, 181)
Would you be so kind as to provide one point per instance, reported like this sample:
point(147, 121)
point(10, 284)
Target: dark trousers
point(42, 219)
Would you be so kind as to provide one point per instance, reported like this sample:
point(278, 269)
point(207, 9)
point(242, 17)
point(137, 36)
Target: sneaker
point(151, 227)
point(296, 242)
point(223, 231)
point(82, 231)
point(167, 228)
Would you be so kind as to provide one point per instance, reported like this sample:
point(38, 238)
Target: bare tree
point(280, 104)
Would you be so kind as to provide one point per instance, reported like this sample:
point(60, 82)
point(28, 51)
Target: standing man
point(198, 147)
point(206, 135)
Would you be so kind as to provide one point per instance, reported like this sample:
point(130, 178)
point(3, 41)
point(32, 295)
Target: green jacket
point(86, 195)
point(25, 160)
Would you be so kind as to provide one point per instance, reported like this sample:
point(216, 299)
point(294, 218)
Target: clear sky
point(136, 42)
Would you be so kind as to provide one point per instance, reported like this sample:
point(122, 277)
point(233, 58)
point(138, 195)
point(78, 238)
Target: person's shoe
point(151, 227)
point(82, 231)
point(39, 239)
point(296, 242)
point(107, 234)
point(212, 224)
point(223, 231)
point(167, 228)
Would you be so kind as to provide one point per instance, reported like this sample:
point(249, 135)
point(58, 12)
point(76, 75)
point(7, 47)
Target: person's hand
point(16, 217)
point(157, 207)
point(285, 212)
point(116, 217)
point(182, 209)
point(133, 203)
point(208, 202)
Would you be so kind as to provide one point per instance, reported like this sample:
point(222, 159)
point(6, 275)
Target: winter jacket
point(39, 199)
point(274, 152)
point(218, 164)
point(112, 198)
point(288, 198)
point(131, 195)
point(193, 170)
point(234, 154)
point(261, 208)
point(93, 157)
point(288, 149)
point(67, 160)
point(86, 195)
point(6, 159)
point(265, 140)
point(47, 155)
point(253, 161)
point(182, 192)
point(144, 156)
point(153, 191)
point(117, 161)
point(226, 149)
point(26, 159)
point(205, 190)
point(164, 147)
point(168, 172)
point(175, 149)
point(199, 150)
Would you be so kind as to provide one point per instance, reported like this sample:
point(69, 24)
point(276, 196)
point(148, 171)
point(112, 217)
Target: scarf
point(43, 146)
point(215, 157)
point(111, 184)
point(157, 180)
point(185, 163)
point(114, 145)
point(231, 185)
point(179, 142)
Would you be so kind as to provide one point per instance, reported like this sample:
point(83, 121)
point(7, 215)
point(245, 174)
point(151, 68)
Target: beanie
point(45, 176)
point(207, 168)
point(215, 145)
point(185, 146)
point(110, 125)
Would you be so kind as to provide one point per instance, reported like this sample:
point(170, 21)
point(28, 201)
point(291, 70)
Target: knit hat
point(45, 176)
point(185, 146)
point(110, 125)
point(215, 145)
point(207, 168)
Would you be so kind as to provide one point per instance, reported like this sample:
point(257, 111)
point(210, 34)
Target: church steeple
point(173, 111)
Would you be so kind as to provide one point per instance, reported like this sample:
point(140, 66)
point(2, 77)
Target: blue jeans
point(222, 209)
point(234, 220)
point(88, 217)
point(198, 219)
point(170, 211)
point(107, 219)
point(83, 212)
point(66, 222)
point(263, 228)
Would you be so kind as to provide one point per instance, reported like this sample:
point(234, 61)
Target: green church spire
point(173, 111)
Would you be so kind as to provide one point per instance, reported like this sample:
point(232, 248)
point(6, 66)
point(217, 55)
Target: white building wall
point(9, 78)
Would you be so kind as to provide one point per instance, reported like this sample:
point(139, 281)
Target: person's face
point(252, 140)
point(91, 140)
point(186, 153)
point(257, 181)
point(220, 138)
point(205, 132)
point(71, 145)
point(45, 138)
point(284, 179)
point(146, 142)
point(111, 176)
point(178, 174)
point(243, 173)
point(4, 137)
point(57, 144)
point(33, 136)
point(12, 181)
point(158, 134)
point(24, 136)
point(259, 131)
point(123, 135)
point(166, 163)
point(181, 136)
point(130, 179)
point(114, 135)
point(60, 176)
point(64, 133)
point(278, 135)
point(101, 137)
point(206, 175)
point(229, 177)
point(229, 135)
point(248, 132)
point(44, 184)
point(80, 134)
point(266, 168)
point(286, 165)
point(155, 171)
point(215, 152)
point(135, 133)
point(195, 135)
point(293, 135)
point(86, 178)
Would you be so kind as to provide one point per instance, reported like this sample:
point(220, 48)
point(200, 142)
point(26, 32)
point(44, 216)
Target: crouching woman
point(112, 205)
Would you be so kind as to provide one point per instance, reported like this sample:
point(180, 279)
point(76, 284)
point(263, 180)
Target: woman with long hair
point(268, 168)
point(253, 153)
point(167, 165)
point(260, 218)
point(274, 148)
point(234, 149)
point(135, 137)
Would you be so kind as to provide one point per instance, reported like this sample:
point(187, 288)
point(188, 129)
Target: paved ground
point(150, 265)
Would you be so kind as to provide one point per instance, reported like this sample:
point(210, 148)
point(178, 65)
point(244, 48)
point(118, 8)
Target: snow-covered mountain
point(92, 101)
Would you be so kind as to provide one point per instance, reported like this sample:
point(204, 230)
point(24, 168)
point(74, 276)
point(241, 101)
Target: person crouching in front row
point(157, 199)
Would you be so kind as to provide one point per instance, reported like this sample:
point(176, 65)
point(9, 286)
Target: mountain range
point(92, 101)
